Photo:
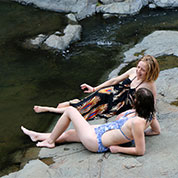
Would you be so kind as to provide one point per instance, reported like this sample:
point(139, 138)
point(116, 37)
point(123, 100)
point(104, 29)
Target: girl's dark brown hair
point(144, 103)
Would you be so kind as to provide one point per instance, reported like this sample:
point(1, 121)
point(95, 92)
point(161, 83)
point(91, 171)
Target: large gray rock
point(85, 8)
point(167, 85)
point(58, 41)
point(125, 7)
point(71, 34)
point(166, 3)
point(158, 43)
point(35, 169)
point(82, 8)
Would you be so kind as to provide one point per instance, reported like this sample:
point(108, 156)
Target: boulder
point(158, 43)
point(71, 35)
point(166, 3)
point(82, 8)
point(129, 7)
point(86, 8)
point(57, 41)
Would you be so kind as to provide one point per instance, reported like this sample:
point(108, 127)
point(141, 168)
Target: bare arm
point(110, 82)
point(122, 114)
point(154, 128)
point(138, 133)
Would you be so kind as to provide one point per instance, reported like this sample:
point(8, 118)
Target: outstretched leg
point(68, 136)
point(67, 103)
point(61, 107)
point(39, 109)
point(35, 136)
point(85, 132)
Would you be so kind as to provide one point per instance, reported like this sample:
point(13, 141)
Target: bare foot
point(39, 109)
point(33, 135)
point(45, 143)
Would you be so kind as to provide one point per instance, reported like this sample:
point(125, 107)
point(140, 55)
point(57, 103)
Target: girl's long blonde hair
point(153, 67)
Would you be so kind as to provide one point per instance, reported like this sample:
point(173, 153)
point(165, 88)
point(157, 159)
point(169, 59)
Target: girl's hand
point(87, 88)
point(114, 149)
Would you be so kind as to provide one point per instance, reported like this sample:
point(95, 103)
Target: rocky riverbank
point(78, 10)
point(86, 8)
point(160, 159)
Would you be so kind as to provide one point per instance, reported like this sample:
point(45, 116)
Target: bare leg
point(39, 109)
point(68, 136)
point(67, 103)
point(63, 105)
point(85, 132)
point(35, 136)
point(59, 109)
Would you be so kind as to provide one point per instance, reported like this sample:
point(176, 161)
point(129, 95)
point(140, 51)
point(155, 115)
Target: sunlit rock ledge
point(73, 160)
point(158, 43)
point(85, 8)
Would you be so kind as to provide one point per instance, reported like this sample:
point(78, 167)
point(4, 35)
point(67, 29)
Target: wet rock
point(57, 41)
point(86, 8)
point(71, 35)
point(36, 42)
point(126, 7)
point(158, 43)
point(82, 8)
point(72, 18)
point(166, 3)
point(152, 6)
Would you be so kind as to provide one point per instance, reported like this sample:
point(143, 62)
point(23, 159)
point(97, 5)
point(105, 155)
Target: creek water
point(36, 77)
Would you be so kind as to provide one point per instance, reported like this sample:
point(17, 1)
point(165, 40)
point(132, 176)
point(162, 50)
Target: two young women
point(100, 138)
point(134, 90)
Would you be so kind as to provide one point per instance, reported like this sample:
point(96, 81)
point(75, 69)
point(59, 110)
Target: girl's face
point(141, 70)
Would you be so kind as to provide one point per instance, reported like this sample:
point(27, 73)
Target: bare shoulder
point(138, 122)
point(132, 72)
point(133, 69)
point(150, 85)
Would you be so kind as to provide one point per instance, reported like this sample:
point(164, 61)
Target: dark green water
point(35, 77)
point(30, 77)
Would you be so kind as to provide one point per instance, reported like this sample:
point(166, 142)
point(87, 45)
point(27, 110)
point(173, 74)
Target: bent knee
point(70, 108)
point(71, 136)
point(68, 134)
point(74, 101)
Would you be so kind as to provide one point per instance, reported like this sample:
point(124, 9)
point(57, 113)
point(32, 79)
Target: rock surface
point(71, 35)
point(58, 41)
point(158, 43)
point(81, 9)
point(85, 8)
